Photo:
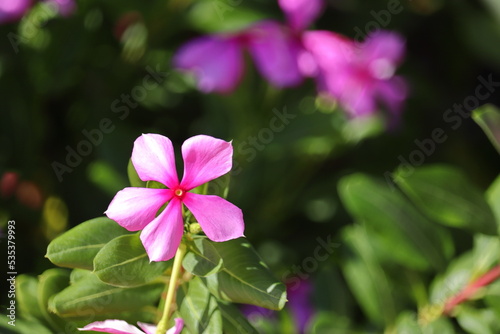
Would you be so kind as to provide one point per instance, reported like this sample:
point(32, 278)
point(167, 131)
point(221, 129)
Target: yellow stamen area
point(178, 192)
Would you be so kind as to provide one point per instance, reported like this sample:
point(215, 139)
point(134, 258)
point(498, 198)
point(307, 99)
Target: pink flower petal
point(301, 13)
point(331, 51)
point(64, 7)
point(217, 62)
point(153, 158)
point(162, 236)
point(393, 93)
point(219, 219)
point(12, 10)
point(275, 52)
point(134, 208)
point(112, 326)
point(147, 328)
point(179, 324)
point(205, 158)
point(386, 45)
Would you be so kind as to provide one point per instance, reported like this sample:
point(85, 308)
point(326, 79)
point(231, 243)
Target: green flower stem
point(163, 324)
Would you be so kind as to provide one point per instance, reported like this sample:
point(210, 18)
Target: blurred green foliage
point(103, 76)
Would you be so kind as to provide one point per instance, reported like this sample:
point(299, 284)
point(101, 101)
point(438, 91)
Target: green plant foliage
point(123, 262)
point(446, 195)
point(243, 276)
point(133, 177)
point(89, 297)
point(77, 247)
point(199, 308)
point(394, 223)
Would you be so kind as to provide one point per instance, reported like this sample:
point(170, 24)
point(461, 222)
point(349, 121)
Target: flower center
point(178, 192)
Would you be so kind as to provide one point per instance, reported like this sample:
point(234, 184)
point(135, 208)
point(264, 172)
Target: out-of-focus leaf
point(476, 321)
point(77, 247)
point(199, 308)
point(493, 198)
point(329, 323)
point(445, 195)
point(105, 177)
point(133, 177)
point(218, 15)
point(488, 118)
point(393, 223)
point(89, 296)
point(123, 262)
point(367, 280)
point(492, 297)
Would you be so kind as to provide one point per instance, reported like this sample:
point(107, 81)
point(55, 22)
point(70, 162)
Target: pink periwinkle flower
point(217, 60)
point(13, 10)
point(360, 76)
point(205, 158)
point(122, 327)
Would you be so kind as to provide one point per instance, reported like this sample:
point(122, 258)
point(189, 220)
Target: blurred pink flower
point(301, 13)
point(217, 60)
point(205, 158)
point(12, 10)
point(122, 327)
point(361, 76)
point(64, 7)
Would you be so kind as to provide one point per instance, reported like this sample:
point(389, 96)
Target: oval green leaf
point(77, 247)
point(89, 297)
point(123, 262)
point(446, 195)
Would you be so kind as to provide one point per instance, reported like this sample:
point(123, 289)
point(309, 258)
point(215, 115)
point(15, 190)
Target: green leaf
point(123, 262)
point(445, 195)
point(488, 118)
point(216, 16)
point(24, 326)
point(393, 223)
point(408, 324)
point(368, 281)
point(233, 321)
point(243, 278)
point(202, 258)
point(199, 308)
point(89, 296)
point(493, 198)
point(133, 177)
point(478, 321)
point(50, 283)
point(27, 298)
point(77, 247)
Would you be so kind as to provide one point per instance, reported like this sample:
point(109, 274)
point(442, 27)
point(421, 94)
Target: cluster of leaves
point(112, 278)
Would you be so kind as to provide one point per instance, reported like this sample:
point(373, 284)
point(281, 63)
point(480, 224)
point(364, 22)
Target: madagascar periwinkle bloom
point(360, 77)
point(217, 61)
point(13, 10)
point(122, 327)
point(205, 158)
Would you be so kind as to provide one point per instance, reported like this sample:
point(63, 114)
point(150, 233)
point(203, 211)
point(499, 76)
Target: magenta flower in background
point(361, 76)
point(122, 327)
point(301, 13)
point(205, 158)
point(217, 60)
point(300, 305)
point(12, 10)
